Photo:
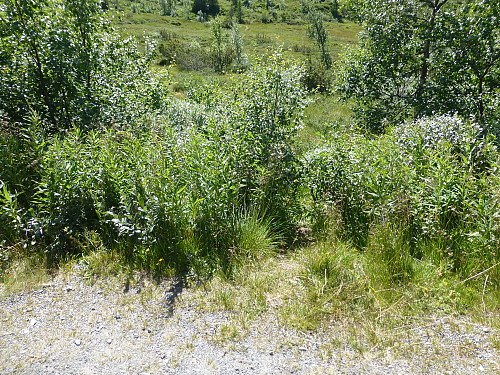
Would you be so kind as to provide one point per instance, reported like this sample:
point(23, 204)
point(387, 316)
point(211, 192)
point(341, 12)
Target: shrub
point(465, 139)
point(202, 186)
point(210, 7)
point(428, 190)
point(66, 65)
point(333, 176)
point(317, 77)
point(263, 112)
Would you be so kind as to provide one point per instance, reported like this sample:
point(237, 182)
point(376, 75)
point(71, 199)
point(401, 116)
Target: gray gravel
point(70, 327)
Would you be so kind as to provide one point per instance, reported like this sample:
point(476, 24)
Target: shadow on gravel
point(172, 294)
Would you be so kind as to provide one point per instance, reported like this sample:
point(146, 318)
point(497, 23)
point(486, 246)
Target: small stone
point(33, 322)
point(78, 342)
point(302, 349)
point(271, 353)
point(109, 341)
point(486, 329)
point(69, 289)
point(117, 317)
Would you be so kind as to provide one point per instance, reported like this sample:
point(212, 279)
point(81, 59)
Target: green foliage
point(236, 39)
point(390, 251)
point(210, 7)
point(331, 174)
point(61, 60)
point(317, 31)
point(168, 7)
point(11, 221)
point(191, 56)
point(203, 186)
point(418, 58)
point(222, 55)
point(425, 191)
point(318, 78)
point(264, 109)
point(225, 53)
point(227, 50)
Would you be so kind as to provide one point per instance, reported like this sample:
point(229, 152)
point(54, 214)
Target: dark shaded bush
point(317, 77)
point(210, 7)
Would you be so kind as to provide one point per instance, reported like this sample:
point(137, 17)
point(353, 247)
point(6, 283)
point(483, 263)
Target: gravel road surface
point(68, 326)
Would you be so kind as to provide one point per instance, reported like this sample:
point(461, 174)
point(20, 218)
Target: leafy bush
point(409, 64)
point(202, 186)
point(332, 176)
point(465, 139)
point(263, 111)
point(61, 60)
point(191, 56)
point(317, 77)
point(324, 173)
point(427, 190)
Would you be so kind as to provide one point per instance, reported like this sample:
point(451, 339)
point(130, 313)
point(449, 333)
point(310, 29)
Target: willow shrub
point(431, 185)
point(189, 191)
point(63, 60)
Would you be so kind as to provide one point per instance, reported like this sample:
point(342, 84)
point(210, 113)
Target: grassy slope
point(257, 36)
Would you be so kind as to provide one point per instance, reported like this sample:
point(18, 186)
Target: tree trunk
point(424, 71)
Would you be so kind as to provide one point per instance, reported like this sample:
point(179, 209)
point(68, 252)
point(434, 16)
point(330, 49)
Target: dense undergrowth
point(207, 174)
point(216, 183)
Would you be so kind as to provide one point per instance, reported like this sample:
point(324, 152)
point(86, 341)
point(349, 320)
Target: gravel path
point(70, 327)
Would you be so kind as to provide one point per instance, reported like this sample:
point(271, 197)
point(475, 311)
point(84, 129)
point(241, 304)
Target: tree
point(317, 31)
point(334, 10)
point(474, 47)
point(236, 40)
point(168, 7)
point(60, 60)
point(219, 45)
point(236, 8)
point(47, 61)
point(210, 7)
point(419, 57)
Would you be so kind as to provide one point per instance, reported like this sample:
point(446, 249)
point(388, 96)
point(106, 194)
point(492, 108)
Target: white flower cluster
point(437, 132)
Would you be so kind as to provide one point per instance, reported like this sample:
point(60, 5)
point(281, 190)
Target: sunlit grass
point(257, 37)
point(25, 273)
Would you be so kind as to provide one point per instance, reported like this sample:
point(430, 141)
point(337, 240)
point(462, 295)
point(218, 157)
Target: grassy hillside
point(257, 38)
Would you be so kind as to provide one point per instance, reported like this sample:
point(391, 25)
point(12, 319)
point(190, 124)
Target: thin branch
point(479, 274)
